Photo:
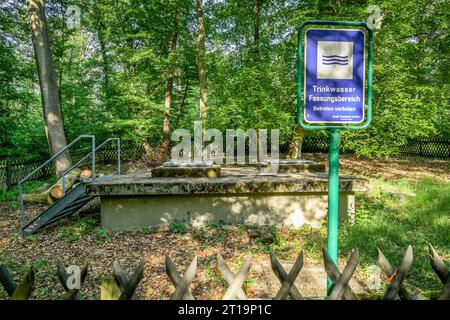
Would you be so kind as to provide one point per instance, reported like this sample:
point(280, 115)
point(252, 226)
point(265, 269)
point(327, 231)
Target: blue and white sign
point(334, 76)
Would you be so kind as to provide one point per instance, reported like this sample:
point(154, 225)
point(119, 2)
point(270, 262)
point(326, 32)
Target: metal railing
point(63, 181)
point(21, 182)
point(63, 177)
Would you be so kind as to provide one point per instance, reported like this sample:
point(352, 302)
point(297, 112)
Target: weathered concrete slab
point(235, 181)
point(239, 196)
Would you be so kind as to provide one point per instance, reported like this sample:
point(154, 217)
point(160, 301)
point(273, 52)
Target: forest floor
point(408, 203)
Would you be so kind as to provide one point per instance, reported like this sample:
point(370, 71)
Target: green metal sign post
point(333, 196)
point(332, 58)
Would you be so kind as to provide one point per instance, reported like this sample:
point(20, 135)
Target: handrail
point(19, 185)
point(56, 155)
point(63, 182)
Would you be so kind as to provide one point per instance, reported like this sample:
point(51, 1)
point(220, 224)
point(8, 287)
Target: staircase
point(72, 200)
point(69, 204)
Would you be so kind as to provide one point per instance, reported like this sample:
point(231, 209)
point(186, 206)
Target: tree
point(54, 126)
point(295, 146)
point(114, 70)
point(201, 61)
point(169, 85)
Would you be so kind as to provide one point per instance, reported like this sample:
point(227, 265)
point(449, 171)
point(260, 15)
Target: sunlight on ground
point(395, 212)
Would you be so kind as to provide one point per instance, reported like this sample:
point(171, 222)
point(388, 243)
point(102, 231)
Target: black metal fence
point(12, 170)
point(315, 144)
point(431, 148)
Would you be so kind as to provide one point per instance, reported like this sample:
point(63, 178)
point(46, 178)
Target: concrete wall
point(290, 210)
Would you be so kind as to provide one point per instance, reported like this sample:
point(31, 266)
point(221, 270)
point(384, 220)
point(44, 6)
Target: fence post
point(8, 174)
point(448, 147)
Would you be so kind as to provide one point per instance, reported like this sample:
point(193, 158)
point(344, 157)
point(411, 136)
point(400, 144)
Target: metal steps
point(66, 206)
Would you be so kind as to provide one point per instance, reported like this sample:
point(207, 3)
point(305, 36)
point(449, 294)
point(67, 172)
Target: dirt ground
point(412, 168)
point(80, 239)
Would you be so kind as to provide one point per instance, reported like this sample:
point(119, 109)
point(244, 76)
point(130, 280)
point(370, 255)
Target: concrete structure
point(239, 196)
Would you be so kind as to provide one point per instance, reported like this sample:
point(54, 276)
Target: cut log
point(44, 197)
point(35, 198)
point(42, 189)
point(56, 191)
point(86, 173)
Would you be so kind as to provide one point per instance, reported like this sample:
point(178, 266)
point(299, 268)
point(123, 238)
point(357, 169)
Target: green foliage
point(112, 71)
point(12, 195)
point(178, 228)
point(104, 235)
point(396, 214)
point(79, 228)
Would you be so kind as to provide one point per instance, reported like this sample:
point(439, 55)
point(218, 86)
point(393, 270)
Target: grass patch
point(178, 228)
point(395, 214)
point(12, 195)
point(80, 227)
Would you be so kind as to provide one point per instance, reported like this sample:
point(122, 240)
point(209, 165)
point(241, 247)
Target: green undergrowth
point(395, 214)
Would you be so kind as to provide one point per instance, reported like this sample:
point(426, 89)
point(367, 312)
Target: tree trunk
point(295, 147)
point(169, 85)
point(183, 101)
point(201, 61)
point(44, 198)
point(61, 57)
point(256, 27)
point(99, 28)
point(54, 126)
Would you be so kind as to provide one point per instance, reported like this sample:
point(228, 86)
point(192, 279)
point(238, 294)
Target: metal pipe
point(87, 156)
point(93, 159)
point(63, 178)
point(63, 182)
point(118, 155)
point(22, 211)
point(90, 155)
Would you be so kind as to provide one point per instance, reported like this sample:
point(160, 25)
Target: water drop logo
point(335, 60)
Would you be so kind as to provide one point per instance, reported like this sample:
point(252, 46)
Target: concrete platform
point(239, 196)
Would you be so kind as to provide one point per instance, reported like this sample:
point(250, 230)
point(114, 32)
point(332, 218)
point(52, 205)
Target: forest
point(353, 216)
point(140, 69)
